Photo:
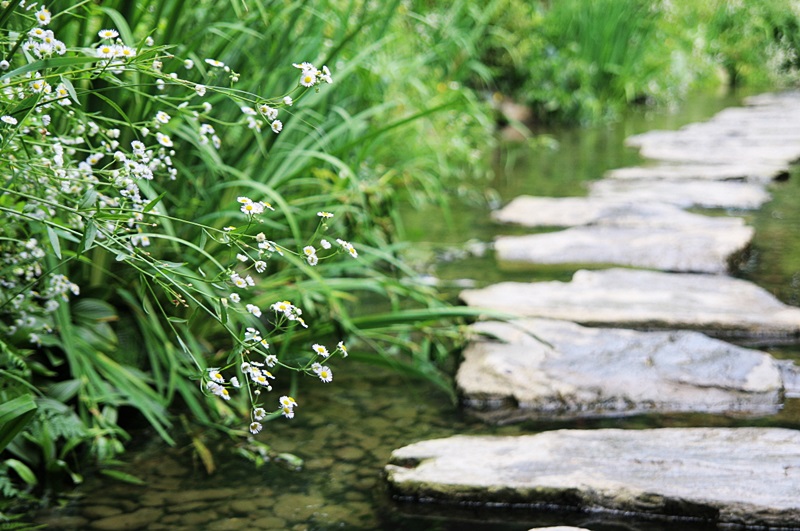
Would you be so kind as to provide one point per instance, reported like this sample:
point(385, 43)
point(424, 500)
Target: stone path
point(625, 341)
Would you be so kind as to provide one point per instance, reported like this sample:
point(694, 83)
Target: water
point(345, 431)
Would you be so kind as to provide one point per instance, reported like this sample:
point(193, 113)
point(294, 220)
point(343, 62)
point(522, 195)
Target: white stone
point(685, 194)
point(532, 211)
point(626, 298)
point(685, 249)
point(744, 476)
point(755, 172)
point(732, 152)
point(537, 368)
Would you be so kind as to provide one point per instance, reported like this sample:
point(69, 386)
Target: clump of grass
point(180, 192)
point(94, 141)
point(576, 61)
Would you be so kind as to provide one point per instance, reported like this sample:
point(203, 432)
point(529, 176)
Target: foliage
point(582, 61)
point(756, 43)
point(171, 180)
point(14, 416)
point(137, 272)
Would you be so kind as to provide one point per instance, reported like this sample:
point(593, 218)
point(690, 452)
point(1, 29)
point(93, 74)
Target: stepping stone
point(706, 248)
point(791, 98)
point(539, 368)
point(779, 121)
point(532, 211)
point(756, 172)
point(705, 194)
point(790, 376)
point(716, 135)
point(626, 298)
point(722, 153)
point(751, 136)
point(742, 476)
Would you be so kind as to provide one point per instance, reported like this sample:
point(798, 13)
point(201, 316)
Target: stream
point(345, 431)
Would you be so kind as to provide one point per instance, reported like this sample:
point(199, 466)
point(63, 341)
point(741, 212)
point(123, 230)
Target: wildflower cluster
point(74, 182)
point(310, 76)
point(264, 248)
point(42, 43)
point(256, 363)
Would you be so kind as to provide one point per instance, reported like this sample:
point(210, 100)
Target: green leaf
point(88, 200)
point(14, 416)
point(68, 84)
point(22, 469)
point(89, 235)
point(45, 64)
point(54, 241)
point(152, 204)
point(223, 312)
point(94, 310)
point(64, 391)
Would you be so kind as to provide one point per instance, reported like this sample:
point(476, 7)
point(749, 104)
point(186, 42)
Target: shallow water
point(345, 431)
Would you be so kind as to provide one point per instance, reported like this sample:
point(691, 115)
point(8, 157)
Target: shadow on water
point(351, 426)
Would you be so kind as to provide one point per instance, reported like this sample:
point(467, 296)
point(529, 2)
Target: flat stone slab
point(626, 298)
point(693, 249)
point(777, 123)
point(743, 476)
point(747, 134)
point(734, 130)
point(736, 152)
point(786, 97)
point(532, 211)
point(684, 194)
point(751, 172)
point(541, 368)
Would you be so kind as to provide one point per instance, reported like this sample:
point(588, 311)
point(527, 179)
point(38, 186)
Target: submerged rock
point(705, 248)
point(539, 368)
point(626, 298)
point(685, 194)
point(744, 476)
point(138, 519)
